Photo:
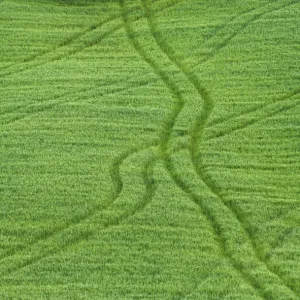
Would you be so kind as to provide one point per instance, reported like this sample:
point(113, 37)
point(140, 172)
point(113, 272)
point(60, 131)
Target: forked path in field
point(166, 133)
point(269, 277)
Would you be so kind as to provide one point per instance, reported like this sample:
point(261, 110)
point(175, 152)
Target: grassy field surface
point(150, 149)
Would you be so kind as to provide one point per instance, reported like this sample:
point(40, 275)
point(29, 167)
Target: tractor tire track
point(67, 41)
point(175, 92)
point(199, 167)
point(207, 109)
point(276, 107)
point(197, 131)
point(233, 242)
point(209, 214)
point(68, 52)
point(225, 42)
point(79, 95)
point(75, 231)
point(274, 278)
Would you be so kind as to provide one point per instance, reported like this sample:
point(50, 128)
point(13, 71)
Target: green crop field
point(150, 149)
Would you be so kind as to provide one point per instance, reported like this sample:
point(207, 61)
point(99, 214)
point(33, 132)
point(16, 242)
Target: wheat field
point(149, 149)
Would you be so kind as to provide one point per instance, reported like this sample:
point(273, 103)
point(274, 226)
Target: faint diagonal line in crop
point(66, 54)
point(78, 95)
point(32, 63)
point(250, 118)
point(254, 109)
point(66, 42)
point(257, 15)
point(228, 22)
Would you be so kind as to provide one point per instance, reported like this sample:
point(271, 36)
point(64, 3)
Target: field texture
point(150, 149)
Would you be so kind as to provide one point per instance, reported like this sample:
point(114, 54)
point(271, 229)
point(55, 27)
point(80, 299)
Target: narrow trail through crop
point(175, 92)
point(65, 49)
